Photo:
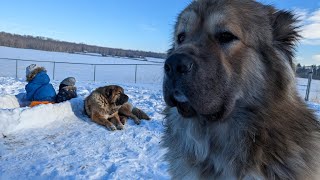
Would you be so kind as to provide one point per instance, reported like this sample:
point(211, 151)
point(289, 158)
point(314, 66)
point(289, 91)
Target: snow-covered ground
point(314, 95)
point(58, 141)
point(37, 55)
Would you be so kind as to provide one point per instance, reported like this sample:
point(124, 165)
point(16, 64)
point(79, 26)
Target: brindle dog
point(108, 106)
point(233, 111)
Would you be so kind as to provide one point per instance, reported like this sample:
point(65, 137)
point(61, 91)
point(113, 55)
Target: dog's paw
point(120, 127)
point(123, 120)
point(137, 121)
point(112, 128)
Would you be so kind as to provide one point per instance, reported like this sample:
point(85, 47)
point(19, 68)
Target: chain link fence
point(151, 73)
point(119, 73)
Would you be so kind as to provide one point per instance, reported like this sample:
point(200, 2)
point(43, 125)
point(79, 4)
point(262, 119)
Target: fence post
point(135, 74)
point(94, 72)
point(54, 69)
point(16, 69)
point(309, 84)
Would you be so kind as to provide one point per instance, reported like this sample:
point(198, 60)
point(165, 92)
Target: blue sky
point(143, 24)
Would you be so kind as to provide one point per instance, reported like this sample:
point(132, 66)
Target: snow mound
point(12, 120)
point(9, 102)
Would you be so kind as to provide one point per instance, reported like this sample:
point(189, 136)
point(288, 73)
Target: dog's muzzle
point(122, 99)
point(176, 68)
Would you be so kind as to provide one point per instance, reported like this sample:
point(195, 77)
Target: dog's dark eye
point(181, 37)
point(225, 37)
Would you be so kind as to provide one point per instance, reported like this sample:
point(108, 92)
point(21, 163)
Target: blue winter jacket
point(39, 88)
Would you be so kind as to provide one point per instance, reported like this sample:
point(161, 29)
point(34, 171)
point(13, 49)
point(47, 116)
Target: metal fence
point(116, 73)
point(123, 73)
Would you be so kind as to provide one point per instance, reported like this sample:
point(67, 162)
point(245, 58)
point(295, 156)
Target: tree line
point(48, 44)
point(305, 71)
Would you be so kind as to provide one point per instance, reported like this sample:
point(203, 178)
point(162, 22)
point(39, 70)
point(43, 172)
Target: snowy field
point(314, 95)
point(30, 54)
point(58, 141)
point(83, 67)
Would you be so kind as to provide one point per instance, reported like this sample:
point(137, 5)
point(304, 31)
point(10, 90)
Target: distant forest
point(48, 44)
point(304, 71)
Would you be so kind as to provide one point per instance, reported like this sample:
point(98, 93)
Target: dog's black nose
point(178, 63)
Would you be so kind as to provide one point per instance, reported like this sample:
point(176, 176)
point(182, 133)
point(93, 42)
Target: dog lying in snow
point(109, 107)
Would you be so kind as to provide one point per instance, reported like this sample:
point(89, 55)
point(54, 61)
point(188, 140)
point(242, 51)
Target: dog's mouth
point(122, 99)
point(184, 108)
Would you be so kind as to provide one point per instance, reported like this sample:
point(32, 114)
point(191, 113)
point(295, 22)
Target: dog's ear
point(285, 31)
point(108, 93)
point(121, 90)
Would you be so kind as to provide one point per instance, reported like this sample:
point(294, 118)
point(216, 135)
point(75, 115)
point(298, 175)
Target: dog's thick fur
point(232, 107)
point(108, 106)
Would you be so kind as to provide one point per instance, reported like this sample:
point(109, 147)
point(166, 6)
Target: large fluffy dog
point(108, 106)
point(232, 106)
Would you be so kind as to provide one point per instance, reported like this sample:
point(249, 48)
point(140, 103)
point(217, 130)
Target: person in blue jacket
point(39, 90)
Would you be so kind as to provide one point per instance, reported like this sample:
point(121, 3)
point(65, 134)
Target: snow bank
point(9, 102)
point(12, 120)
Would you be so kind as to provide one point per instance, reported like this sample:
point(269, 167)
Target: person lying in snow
point(39, 90)
point(67, 90)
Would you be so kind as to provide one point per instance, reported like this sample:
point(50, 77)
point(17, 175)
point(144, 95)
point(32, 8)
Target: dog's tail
point(140, 114)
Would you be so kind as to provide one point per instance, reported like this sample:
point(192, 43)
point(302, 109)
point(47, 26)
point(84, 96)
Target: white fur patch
point(195, 139)
point(188, 132)
point(216, 19)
